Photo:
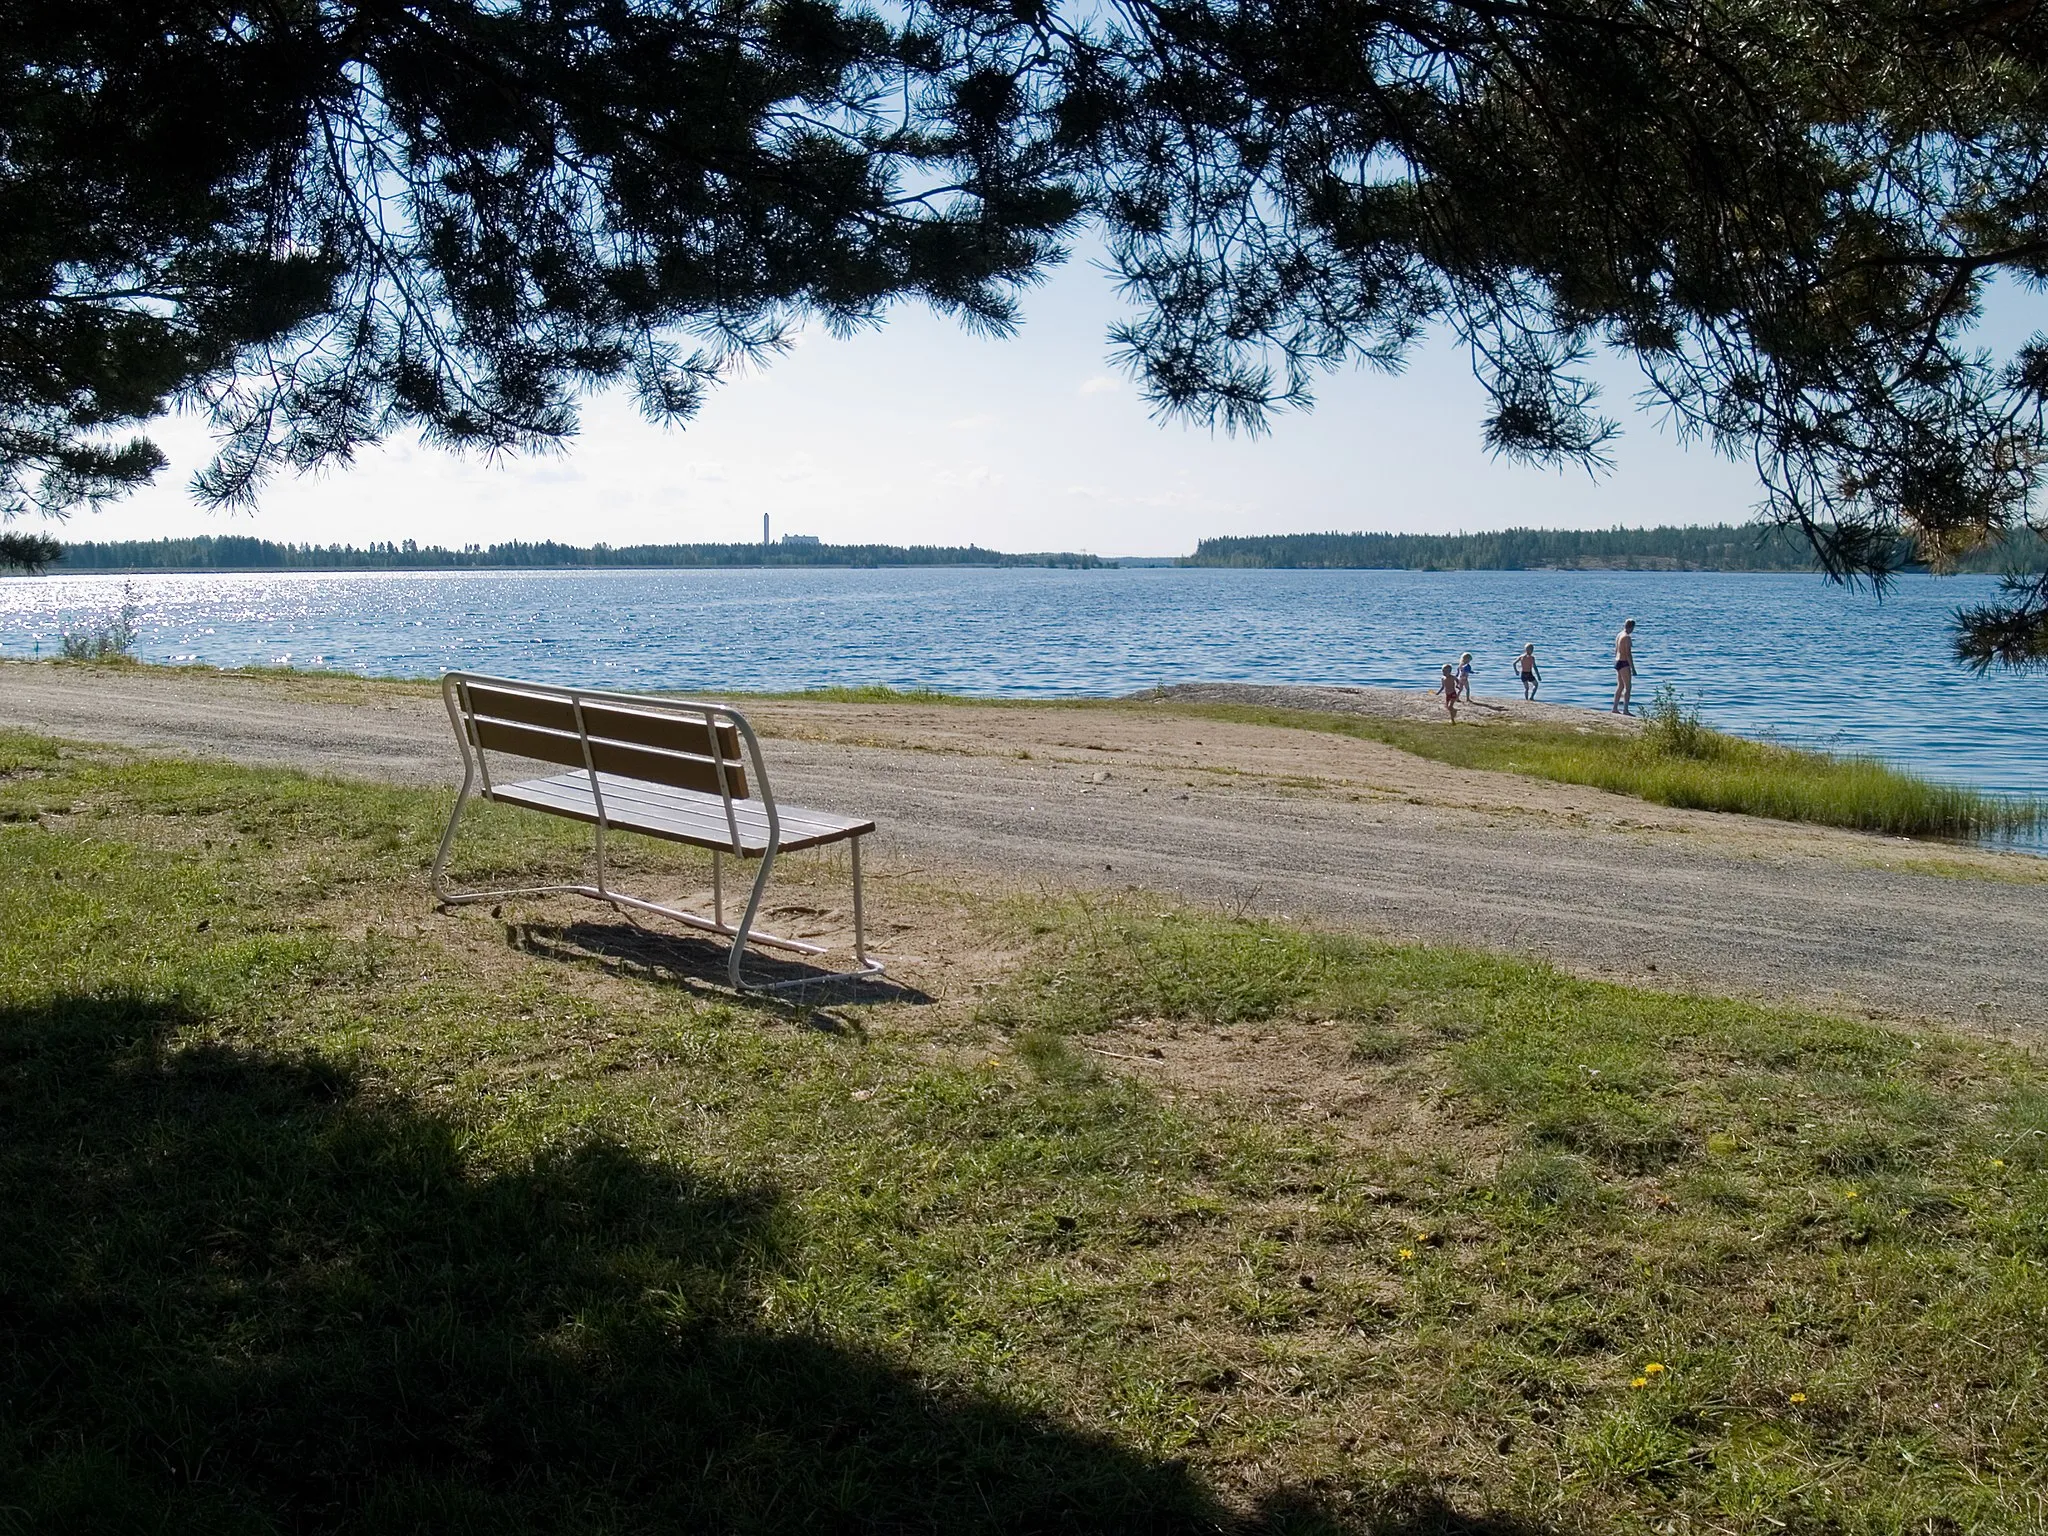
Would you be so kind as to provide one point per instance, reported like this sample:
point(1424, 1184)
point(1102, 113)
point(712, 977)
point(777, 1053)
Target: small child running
point(1465, 676)
point(1526, 670)
point(1448, 687)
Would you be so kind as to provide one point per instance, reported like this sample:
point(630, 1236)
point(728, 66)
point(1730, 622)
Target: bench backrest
point(685, 746)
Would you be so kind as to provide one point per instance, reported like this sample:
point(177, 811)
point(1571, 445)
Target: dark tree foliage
point(327, 221)
point(1689, 548)
point(243, 554)
point(1786, 211)
point(1722, 548)
point(28, 551)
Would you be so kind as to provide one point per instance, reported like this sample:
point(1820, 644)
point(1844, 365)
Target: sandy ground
point(1271, 822)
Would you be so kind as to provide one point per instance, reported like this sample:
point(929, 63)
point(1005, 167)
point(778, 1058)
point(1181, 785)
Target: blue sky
point(921, 433)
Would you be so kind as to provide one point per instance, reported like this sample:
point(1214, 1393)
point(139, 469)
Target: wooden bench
point(688, 772)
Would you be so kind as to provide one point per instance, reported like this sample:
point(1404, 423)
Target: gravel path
point(1290, 822)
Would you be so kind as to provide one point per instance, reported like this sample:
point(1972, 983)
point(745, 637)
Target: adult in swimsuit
point(1624, 666)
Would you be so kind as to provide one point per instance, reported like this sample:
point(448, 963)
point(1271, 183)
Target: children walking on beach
point(1525, 669)
point(1450, 690)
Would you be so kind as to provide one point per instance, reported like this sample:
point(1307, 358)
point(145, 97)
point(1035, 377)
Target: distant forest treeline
point(1720, 548)
point(228, 553)
point(1723, 547)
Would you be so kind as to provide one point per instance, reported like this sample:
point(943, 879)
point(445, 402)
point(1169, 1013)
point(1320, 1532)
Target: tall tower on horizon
point(764, 530)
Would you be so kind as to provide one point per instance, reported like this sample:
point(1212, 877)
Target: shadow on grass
point(245, 1292)
point(651, 954)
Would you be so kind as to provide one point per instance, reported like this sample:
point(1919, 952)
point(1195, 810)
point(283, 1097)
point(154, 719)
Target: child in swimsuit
point(1448, 687)
point(1465, 676)
point(1525, 668)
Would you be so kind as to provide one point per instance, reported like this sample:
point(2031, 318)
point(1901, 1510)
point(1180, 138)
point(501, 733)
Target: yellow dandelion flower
point(1850, 1194)
point(1798, 1397)
point(1407, 1253)
point(1998, 1162)
point(1653, 1369)
point(1640, 1381)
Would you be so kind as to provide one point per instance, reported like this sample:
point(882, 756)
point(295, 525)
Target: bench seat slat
point(658, 799)
point(679, 815)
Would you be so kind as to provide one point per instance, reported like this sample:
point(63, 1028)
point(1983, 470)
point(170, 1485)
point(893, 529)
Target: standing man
point(1624, 666)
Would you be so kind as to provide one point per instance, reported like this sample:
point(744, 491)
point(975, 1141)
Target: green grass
point(308, 1223)
point(1832, 1239)
point(321, 1212)
point(1678, 762)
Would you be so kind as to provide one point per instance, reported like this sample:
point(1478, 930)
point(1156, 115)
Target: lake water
point(1782, 656)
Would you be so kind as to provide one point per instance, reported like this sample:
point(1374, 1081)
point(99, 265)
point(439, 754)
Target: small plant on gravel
point(111, 641)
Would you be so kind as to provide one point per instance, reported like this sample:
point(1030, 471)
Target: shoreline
point(1567, 743)
point(1409, 705)
point(1311, 827)
point(1093, 564)
point(1414, 705)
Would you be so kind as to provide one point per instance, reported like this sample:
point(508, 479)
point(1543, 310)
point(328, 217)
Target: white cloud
point(1101, 384)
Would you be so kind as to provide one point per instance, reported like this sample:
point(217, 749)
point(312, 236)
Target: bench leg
point(440, 875)
point(449, 897)
point(746, 927)
point(860, 934)
point(864, 966)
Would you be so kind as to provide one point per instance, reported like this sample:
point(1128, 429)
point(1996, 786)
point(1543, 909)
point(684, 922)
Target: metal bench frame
point(715, 719)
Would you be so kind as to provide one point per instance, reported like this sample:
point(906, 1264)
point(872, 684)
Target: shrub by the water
point(1676, 760)
point(1675, 730)
point(111, 641)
